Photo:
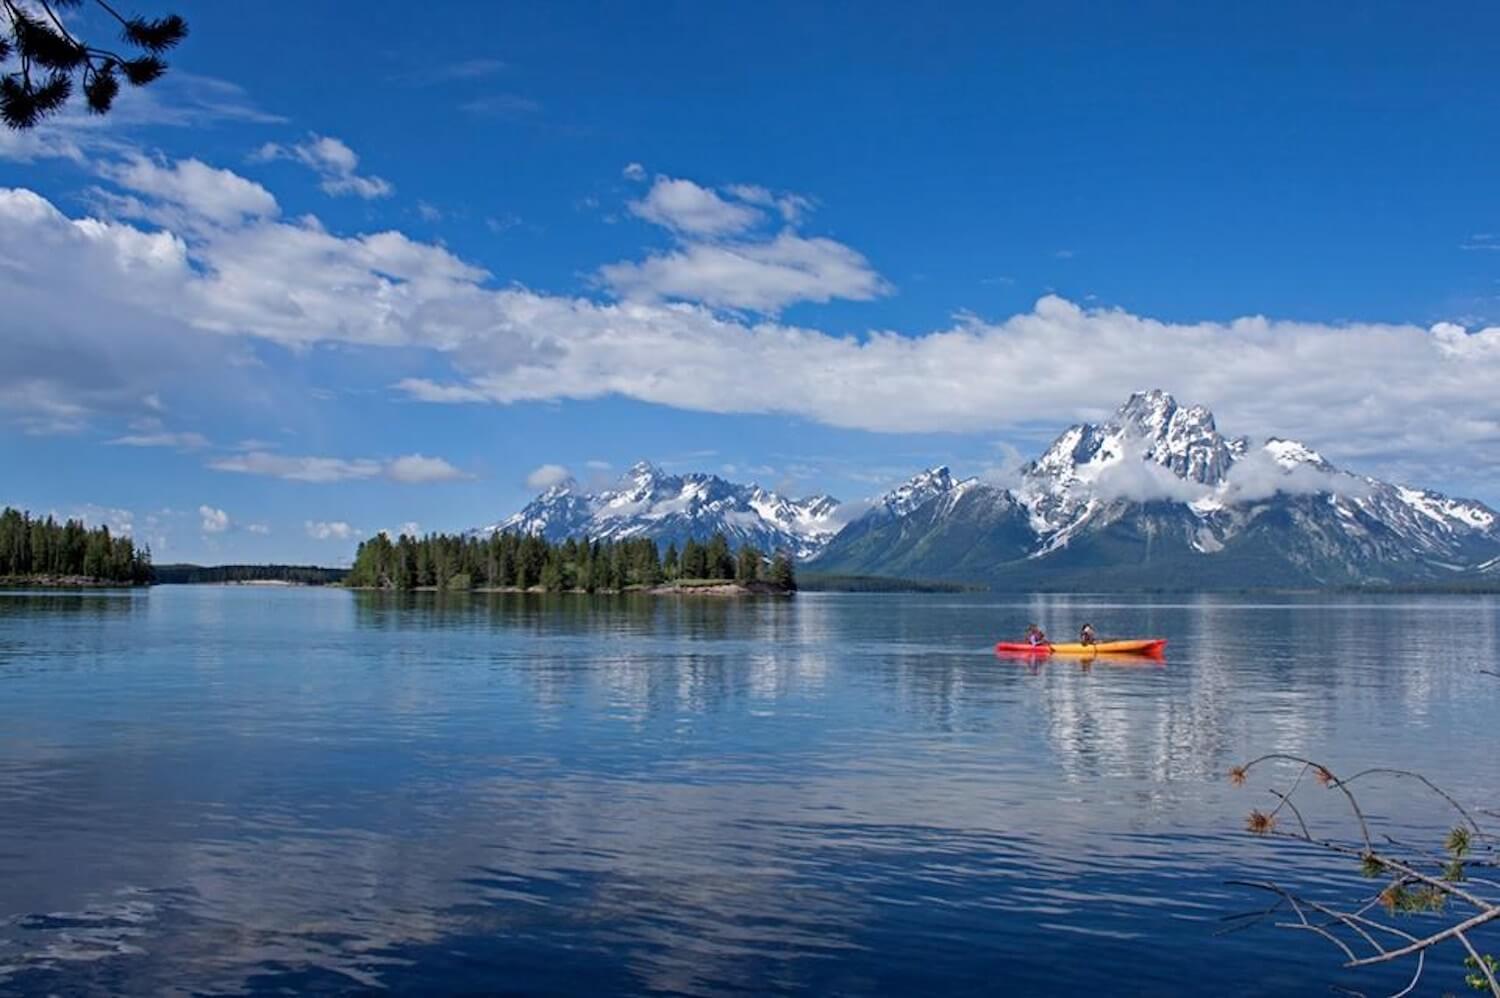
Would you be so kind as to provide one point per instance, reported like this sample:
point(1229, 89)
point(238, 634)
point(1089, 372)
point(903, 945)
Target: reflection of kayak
point(1153, 647)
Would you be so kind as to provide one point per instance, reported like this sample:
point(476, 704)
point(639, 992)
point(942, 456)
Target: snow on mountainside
point(647, 502)
point(917, 490)
point(1157, 492)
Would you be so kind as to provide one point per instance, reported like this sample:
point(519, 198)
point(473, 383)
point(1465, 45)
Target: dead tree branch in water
point(1441, 881)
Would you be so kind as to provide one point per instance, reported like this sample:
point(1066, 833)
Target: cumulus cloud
point(258, 528)
point(409, 469)
point(213, 521)
point(187, 191)
point(547, 476)
point(726, 259)
point(418, 468)
point(333, 161)
point(761, 276)
point(330, 530)
point(634, 171)
point(685, 207)
point(1385, 394)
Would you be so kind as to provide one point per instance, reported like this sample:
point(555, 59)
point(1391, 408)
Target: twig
point(1484, 965)
point(1429, 785)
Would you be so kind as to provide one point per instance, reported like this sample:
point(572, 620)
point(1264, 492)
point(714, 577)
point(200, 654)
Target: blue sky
point(345, 274)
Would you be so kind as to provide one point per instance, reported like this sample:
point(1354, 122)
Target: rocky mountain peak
point(917, 490)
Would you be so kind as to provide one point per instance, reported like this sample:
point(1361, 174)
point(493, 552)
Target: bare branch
point(1410, 889)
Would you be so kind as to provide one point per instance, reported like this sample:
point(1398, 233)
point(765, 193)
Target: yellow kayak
point(1139, 646)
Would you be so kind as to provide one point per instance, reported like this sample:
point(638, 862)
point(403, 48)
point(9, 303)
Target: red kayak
point(1150, 647)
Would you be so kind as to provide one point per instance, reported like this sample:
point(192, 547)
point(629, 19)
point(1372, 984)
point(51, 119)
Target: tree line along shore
point(42, 551)
point(522, 562)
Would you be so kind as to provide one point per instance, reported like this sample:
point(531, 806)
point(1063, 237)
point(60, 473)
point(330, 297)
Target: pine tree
point(747, 565)
point(720, 562)
point(782, 574)
point(670, 565)
point(50, 56)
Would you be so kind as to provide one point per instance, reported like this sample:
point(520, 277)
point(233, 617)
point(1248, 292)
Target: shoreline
point(66, 582)
point(715, 588)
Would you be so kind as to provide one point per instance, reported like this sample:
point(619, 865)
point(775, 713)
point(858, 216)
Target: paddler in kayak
point(1086, 635)
point(1035, 636)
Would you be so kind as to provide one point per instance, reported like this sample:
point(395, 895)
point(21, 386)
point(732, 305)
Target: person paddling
point(1035, 636)
point(1086, 635)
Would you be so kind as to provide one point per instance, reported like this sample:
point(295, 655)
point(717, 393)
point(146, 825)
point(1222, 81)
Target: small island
point(42, 552)
point(512, 562)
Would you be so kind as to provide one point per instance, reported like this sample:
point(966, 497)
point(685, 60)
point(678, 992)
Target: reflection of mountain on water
point(1248, 677)
point(326, 791)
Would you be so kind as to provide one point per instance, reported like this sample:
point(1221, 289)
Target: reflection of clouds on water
point(346, 791)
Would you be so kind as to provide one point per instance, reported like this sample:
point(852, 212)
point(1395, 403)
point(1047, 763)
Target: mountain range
point(1155, 497)
point(648, 502)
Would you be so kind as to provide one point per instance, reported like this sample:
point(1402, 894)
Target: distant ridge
point(1157, 498)
point(648, 502)
point(305, 575)
point(1154, 498)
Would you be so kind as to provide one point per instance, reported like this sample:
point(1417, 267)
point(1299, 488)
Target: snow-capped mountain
point(1158, 496)
point(647, 502)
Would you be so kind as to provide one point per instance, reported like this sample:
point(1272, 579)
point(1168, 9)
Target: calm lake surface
point(241, 790)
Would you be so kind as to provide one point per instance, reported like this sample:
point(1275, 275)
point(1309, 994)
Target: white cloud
point(791, 207)
point(298, 469)
point(44, 408)
point(685, 207)
point(119, 521)
point(258, 528)
point(333, 161)
point(724, 261)
point(330, 530)
point(547, 476)
point(1390, 396)
point(162, 438)
point(178, 100)
point(761, 276)
point(408, 469)
point(416, 468)
point(429, 212)
point(1144, 481)
point(411, 528)
point(634, 171)
point(214, 521)
point(1258, 475)
point(426, 390)
point(190, 190)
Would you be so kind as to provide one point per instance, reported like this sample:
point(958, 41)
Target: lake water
point(241, 790)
